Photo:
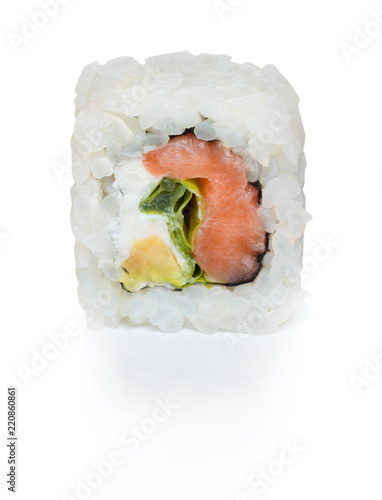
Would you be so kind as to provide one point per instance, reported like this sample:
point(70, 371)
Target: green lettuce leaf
point(181, 203)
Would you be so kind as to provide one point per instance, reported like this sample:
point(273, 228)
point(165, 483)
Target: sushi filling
point(182, 205)
point(212, 219)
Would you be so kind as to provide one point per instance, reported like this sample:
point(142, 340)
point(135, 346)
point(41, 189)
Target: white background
point(238, 406)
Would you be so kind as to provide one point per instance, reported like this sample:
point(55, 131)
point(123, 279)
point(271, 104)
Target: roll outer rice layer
point(125, 110)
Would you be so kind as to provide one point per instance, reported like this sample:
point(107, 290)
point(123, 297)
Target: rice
point(124, 110)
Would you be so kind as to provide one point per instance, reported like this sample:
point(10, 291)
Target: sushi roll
point(188, 205)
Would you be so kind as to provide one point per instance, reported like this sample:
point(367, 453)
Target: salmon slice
point(231, 238)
